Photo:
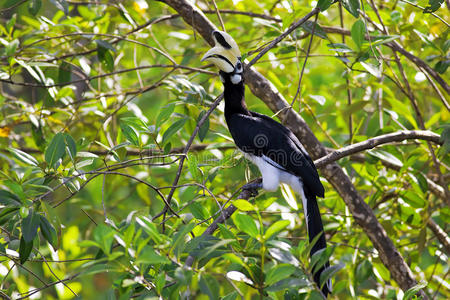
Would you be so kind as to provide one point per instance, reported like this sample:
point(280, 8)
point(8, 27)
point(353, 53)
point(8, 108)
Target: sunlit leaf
point(243, 205)
point(174, 128)
point(23, 156)
point(246, 224)
point(278, 273)
point(352, 6)
point(276, 227)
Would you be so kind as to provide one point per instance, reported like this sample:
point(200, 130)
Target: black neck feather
point(234, 95)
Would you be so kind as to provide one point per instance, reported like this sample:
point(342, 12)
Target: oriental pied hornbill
point(272, 147)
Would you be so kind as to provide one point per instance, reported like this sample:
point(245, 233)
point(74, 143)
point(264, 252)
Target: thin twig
point(304, 63)
point(90, 78)
point(185, 151)
point(291, 28)
point(422, 9)
point(218, 15)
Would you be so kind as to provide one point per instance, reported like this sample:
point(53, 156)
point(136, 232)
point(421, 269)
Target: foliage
point(98, 102)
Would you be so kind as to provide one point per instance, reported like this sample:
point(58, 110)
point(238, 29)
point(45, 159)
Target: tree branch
point(440, 234)
point(376, 141)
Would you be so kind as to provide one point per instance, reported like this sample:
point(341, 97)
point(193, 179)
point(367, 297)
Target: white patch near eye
point(236, 78)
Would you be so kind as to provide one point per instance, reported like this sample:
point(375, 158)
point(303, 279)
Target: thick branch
point(440, 234)
point(263, 89)
point(376, 141)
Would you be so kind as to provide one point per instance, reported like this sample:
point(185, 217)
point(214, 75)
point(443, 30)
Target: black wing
point(260, 135)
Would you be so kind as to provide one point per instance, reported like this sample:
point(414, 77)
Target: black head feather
point(221, 40)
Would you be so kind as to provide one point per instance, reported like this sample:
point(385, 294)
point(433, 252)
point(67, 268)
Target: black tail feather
point(315, 227)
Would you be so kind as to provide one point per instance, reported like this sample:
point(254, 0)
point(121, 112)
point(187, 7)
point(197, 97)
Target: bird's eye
point(239, 66)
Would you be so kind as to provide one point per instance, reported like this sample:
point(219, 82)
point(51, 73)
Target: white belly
point(273, 174)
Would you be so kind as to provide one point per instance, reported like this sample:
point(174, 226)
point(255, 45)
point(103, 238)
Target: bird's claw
point(253, 188)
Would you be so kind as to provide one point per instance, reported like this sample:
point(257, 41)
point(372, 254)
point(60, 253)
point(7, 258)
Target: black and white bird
point(272, 147)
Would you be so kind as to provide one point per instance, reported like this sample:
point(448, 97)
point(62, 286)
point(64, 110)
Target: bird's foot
point(253, 187)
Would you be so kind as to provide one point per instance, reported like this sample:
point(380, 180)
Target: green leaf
point(199, 211)
point(318, 31)
point(384, 39)
point(150, 229)
point(372, 69)
point(352, 6)
point(433, 5)
point(9, 199)
point(64, 72)
point(193, 167)
point(442, 66)
point(49, 232)
point(422, 239)
point(414, 199)
point(5, 214)
point(358, 32)
point(179, 238)
point(283, 284)
point(329, 272)
point(24, 250)
point(209, 286)
point(276, 227)
point(12, 47)
point(246, 224)
point(278, 273)
point(363, 271)
point(130, 134)
point(30, 225)
point(324, 4)
point(339, 47)
point(230, 296)
point(71, 146)
point(445, 139)
point(149, 256)
point(104, 236)
point(160, 282)
point(243, 205)
point(136, 122)
point(319, 258)
point(409, 294)
point(386, 156)
point(423, 183)
point(61, 5)
point(318, 98)
point(174, 128)
point(55, 150)
point(104, 54)
point(203, 130)
point(164, 114)
point(86, 12)
point(10, 24)
point(23, 157)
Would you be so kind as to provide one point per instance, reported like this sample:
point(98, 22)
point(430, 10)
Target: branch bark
point(440, 234)
point(376, 141)
point(363, 215)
